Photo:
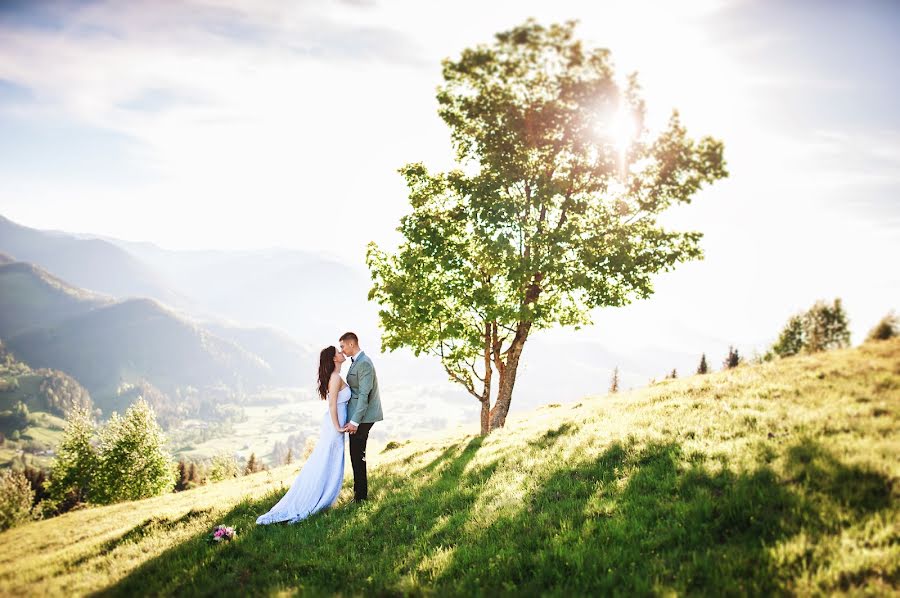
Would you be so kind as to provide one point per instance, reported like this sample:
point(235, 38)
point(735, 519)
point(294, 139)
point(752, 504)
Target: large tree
point(553, 211)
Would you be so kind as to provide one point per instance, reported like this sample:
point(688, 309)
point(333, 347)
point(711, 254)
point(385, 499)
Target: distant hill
point(305, 295)
point(48, 396)
point(30, 296)
point(50, 323)
point(771, 479)
point(291, 363)
point(139, 339)
point(309, 296)
point(88, 263)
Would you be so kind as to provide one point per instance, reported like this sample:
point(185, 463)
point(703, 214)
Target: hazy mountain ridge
point(49, 323)
point(33, 297)
point(303, 294)
point(280, 352)
point(139, 338)
point(89, 263)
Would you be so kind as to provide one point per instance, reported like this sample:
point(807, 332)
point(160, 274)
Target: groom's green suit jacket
point(365, 402)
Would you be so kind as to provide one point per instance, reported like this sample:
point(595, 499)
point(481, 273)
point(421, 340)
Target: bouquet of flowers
point(221, 534)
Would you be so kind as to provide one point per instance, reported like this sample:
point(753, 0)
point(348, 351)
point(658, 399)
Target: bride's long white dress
point(319, 482)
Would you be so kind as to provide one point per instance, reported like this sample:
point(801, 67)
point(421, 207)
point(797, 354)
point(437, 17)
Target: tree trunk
point(508, 376)
point(485, 418)
point(486, 393)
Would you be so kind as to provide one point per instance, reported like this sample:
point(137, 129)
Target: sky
point(249, 124)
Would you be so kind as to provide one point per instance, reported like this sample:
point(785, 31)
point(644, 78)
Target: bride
point(319, 482)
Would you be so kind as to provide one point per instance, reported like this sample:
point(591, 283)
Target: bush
point(223, 467)
point(73, 470)
point(16, 498)
point(887, 327)
point(791, 340)
point(15, 419)
point(129, 461)
point(826, 327)
point(733, 359)
point(133, 461)
point(821, 328)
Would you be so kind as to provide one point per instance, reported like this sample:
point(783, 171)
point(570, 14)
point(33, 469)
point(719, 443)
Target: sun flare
point(623, 130)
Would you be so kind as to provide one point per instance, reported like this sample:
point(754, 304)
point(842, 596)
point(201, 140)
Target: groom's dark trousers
point(358, 461)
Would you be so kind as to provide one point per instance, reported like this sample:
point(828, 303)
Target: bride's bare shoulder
point(335, 377)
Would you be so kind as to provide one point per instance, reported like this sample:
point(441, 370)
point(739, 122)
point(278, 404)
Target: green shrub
point(791, 340)
point(75, 466)
point(821, 328)
point(223, 467)
point(887, 327)
point(133, 461)
point(16, 498)
point(127, 461)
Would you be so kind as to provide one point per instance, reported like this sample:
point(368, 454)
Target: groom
point(363, 410)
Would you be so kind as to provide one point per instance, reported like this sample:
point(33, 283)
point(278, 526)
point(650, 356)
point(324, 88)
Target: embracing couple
point(353, 407)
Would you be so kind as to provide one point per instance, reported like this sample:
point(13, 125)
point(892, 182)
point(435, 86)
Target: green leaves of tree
point(551, 213)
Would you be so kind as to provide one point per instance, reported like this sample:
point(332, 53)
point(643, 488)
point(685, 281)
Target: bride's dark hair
point(326, 368)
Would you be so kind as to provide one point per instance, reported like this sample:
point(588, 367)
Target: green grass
point(779, 478)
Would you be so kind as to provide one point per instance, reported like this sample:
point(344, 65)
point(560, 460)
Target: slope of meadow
point(774, 478)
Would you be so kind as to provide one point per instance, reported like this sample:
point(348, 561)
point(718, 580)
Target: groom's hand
point(350, 428)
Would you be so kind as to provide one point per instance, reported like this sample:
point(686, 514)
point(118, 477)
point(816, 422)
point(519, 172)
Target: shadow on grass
point(354, 547)
point(551, 437)
point(631, 520)
point(145, 528)
point(820, 473)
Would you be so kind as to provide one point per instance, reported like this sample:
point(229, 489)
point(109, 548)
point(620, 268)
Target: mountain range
point(104, 341)
point(88, 263)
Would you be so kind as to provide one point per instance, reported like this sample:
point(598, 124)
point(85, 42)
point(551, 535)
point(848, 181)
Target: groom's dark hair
point(349, 336)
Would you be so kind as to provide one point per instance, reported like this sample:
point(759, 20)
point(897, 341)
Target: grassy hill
point(767, 479)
